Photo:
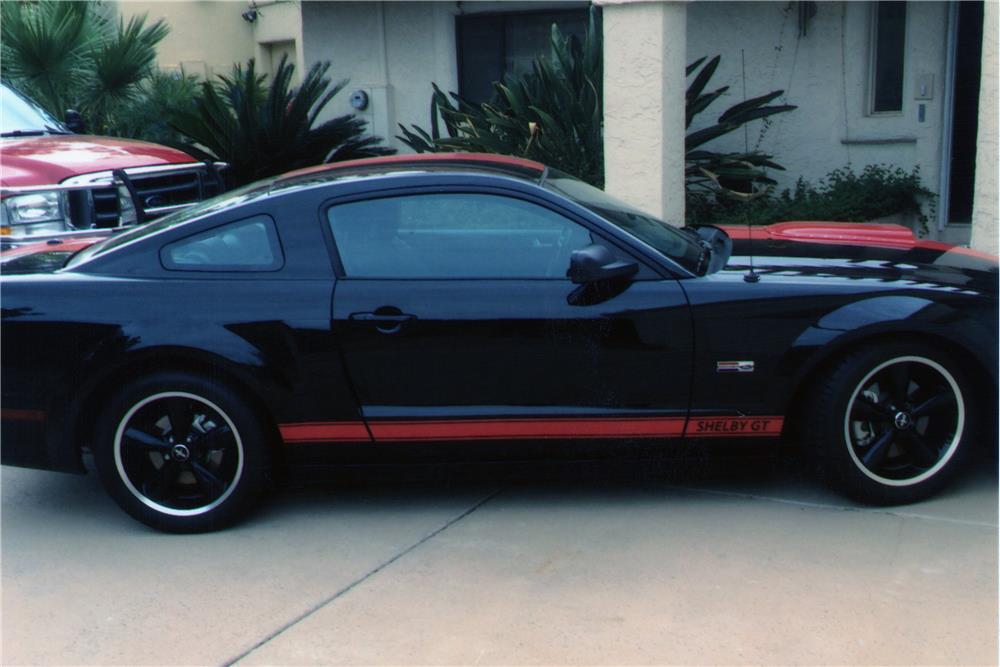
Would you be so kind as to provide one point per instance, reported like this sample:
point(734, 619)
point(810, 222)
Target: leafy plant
point(554, 114)
point(842, 195)
point(160, 96)
point(739, 176)
point(70, 55)
point(263, 128)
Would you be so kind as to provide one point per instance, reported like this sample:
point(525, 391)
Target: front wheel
point(890, 424)
point(181, 453)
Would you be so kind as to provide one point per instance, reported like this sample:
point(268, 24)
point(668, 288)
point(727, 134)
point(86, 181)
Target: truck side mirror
point(74, 121)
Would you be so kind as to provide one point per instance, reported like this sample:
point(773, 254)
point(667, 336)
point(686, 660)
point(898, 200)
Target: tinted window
point(247, 245)
point(453, 236)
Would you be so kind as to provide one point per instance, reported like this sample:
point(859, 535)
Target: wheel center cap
point(180, 452)
point(903, 420)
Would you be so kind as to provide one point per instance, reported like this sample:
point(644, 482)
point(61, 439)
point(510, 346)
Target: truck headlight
point(33, 213)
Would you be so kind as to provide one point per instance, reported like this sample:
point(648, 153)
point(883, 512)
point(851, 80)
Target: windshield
point(667, 239)
point(19, 116)
point(225, 200)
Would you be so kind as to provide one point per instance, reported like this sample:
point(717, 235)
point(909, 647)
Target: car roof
point(504, 165)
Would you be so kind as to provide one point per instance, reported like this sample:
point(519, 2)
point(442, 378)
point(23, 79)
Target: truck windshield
point(22, 117)
point(667, 239)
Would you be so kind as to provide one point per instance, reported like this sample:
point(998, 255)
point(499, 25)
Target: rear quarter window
point(246, 245)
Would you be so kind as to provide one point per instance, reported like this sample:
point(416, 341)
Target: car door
point(456, 321)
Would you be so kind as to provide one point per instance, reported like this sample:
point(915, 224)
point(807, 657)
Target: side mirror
point(597, 262)
point(74, 121)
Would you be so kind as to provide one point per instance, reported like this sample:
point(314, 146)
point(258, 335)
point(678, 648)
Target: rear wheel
point(181, 453)
point(890, 424)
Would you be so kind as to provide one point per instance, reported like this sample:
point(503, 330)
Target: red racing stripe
point(529, 428)
point(729, 427)
point(512, 429)
point(324, 432)
point(22, 415)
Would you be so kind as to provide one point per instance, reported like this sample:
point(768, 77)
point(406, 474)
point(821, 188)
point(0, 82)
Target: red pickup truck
point(54, 183)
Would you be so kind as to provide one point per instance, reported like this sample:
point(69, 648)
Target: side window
point(453, 236)
point(888, 48)
point(246, 245)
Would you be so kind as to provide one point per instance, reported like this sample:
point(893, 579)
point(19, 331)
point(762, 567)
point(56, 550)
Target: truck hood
point(859, 250)
point(53, 158)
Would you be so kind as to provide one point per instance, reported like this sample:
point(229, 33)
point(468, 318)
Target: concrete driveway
point(747, 565)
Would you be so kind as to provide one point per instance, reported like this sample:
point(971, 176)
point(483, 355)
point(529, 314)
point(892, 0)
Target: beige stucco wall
point(391, 50)
point(644, 59)
point(985, 206)
point(206, 37)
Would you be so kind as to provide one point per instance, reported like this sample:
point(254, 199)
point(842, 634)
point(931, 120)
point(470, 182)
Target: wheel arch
point(804, 383)
point(83, 413)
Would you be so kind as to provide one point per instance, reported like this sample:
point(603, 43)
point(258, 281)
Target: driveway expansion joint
point(363, 578)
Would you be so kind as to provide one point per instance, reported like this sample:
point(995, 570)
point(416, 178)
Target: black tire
point(891, 424)
point(199, 477)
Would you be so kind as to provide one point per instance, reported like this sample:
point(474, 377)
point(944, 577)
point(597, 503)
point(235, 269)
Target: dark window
point(453, 236)
point(497, 44)
point(247, 245)
point(887, 70)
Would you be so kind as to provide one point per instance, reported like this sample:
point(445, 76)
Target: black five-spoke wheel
point(181, 453)
point(892, 421)
point(178, 453)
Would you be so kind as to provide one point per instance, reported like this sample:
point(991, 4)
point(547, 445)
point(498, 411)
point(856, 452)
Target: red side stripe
point(729, 427)
point(502, 429)
point(22, 415)
point(533, 428)
point(324, 432)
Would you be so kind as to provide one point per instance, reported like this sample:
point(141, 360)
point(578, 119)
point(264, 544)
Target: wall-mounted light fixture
point(251, 14)
point(359, 100)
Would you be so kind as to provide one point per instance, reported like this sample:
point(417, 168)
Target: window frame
point(873, 62)
point(273, 237)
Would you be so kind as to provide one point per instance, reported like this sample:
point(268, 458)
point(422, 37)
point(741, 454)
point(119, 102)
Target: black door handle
point(377, 317)
point(386, 322)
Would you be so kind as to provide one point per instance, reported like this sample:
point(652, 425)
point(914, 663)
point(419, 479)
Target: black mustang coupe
point(471, 301)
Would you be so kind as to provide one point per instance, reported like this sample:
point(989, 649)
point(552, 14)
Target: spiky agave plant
point(554, 114)
point(264, 127)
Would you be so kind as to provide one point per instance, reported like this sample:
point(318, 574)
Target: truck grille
point(155, 190)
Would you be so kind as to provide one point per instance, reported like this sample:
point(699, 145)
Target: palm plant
point(68, 54)
point(554, 114)
point(263, 128)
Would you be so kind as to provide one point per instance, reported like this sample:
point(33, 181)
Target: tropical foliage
point(72, 55)
point(265, 127)
point(843, 195)
point(554, 114)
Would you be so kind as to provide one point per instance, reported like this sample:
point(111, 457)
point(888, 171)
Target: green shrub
point(265, 127)
point(842, 195)
point(554, 114)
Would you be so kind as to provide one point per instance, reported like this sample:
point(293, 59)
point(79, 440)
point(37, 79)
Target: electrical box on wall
point(924, 88)
point(373, 103)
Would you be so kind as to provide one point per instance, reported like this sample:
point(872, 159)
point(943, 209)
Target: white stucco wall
point(644, 60)
point(392, 50)
point(985, 205)
point(826, 74)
